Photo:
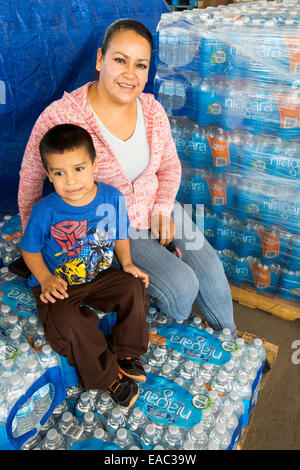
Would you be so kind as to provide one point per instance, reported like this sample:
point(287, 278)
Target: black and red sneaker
point(133, 368)
point(124, 391)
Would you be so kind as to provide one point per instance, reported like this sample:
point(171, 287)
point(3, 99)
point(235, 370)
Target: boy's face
point(72, 174)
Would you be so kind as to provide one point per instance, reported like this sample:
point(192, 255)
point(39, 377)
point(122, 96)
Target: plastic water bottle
point(31, 327)
point(25, 417)
point(105, 405)
point(16, 338)
point(254, 359)
point(228, 370)
point(115, 421)
point(215, 402)
point(175, 359)
point(123, 439)
point(241, 345)
point(54, 441)
point(60, 410)
point(94, 393)
point(167, 371)
point(257, 344)
point(73, 393)
point(84, 404)
point(90, 422)
point(137, 421)
point(172, 438)
point(100, 433)
point(207, 372)
point(32, 443)
point(197, 323)
point(158, 447)
point(225, 335)
point(236, 359)
point(208, 420)
point(222, 384)
point(50, 423)
point(7, 370)
point(198, 386)
point(229, 418)
point(221, 436)
point(234, 400)
point(199, 437)
point(42, 398)
point(48, 357)
point(66, 421)
point(150, 437)
point(13, 323)
point(188, 445)
point(157, 360)
point(188, 372)
point(249, 371)
point(39, 339)
point(4, 408)
point(242, 387)
point(180, 381)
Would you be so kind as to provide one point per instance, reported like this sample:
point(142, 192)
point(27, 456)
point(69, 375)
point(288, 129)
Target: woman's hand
point(162, 228)
point(53, 287)
point(136, 272)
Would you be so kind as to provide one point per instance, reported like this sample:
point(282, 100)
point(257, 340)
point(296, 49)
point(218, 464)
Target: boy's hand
point(53, 287)
point(136, 272)
point(162, 228)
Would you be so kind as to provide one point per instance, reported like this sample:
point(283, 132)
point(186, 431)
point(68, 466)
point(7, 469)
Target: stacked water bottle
point(200, 389)
point(10, 235)
point(229, 78)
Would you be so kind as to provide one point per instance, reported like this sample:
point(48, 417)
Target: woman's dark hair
point(66, 137)
point(124, 24)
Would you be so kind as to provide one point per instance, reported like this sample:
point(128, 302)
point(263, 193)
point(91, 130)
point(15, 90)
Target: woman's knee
point(177, 294)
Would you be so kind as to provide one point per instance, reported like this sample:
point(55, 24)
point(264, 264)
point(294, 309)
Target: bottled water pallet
point(271, 356)
point(282, 308)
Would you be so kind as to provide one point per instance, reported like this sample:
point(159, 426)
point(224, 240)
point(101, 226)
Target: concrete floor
point(275, 423)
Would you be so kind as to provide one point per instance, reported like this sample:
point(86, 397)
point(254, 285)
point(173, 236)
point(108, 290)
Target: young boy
point(68, 246)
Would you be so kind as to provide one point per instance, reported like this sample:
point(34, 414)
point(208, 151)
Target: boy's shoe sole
point(124, 391)
point(133, 368)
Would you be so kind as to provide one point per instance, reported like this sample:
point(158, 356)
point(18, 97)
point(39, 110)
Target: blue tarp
point(46, 48)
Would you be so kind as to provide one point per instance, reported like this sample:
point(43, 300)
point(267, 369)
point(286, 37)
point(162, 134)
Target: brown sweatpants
point(72, 331)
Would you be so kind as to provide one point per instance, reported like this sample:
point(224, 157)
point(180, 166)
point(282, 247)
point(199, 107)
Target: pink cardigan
point(153, 192)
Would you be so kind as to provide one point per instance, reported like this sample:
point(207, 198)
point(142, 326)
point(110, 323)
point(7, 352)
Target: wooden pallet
point(285, 309)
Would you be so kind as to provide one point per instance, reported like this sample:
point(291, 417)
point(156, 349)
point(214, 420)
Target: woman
point(136, 154)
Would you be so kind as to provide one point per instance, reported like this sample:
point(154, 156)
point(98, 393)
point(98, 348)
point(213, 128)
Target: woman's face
point(124, 67)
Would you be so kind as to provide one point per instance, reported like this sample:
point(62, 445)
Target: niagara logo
point(163, 404)
point(203, 349)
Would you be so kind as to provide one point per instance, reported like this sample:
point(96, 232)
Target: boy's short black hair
point(64, 137)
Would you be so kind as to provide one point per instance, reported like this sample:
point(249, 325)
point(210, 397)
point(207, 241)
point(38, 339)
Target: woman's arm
point(169, 172)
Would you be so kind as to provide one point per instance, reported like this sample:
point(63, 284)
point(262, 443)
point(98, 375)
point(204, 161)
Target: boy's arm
point(122, 250)
point(51, 286)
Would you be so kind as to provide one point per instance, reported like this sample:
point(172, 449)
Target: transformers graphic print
point(85, 251)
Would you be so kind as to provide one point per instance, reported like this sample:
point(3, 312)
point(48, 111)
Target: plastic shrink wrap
point(229, 78)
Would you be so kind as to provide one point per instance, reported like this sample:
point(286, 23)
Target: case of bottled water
point(177, 407)
point(233, 99)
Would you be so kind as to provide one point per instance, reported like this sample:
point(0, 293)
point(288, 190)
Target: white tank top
point(134, 153)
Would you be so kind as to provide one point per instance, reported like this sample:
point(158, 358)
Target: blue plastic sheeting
point(46, 48)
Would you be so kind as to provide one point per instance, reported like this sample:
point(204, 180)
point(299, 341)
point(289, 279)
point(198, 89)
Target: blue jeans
point(175, 284)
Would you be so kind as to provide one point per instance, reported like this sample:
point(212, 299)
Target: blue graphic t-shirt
point(77, 242)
